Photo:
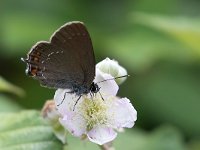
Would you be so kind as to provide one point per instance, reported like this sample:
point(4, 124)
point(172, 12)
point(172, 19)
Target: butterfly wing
point(67, 61)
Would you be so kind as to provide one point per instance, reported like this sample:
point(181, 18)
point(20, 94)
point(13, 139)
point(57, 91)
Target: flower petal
point(122, 114)
point(74, 123)
point(66, 105)
point(101, 135)
point(109, 87)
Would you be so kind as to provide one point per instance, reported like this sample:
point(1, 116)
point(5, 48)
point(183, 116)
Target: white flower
point(113, 68)
point(94, 117)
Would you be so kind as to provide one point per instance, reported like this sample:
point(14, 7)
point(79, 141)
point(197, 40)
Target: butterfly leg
point(91, 95)
point(64, 98)
point(77, 102)
point(101, 96)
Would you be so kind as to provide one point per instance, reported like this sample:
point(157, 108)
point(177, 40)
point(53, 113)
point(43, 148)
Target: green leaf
point(5, 86)
point(26, 131)
point(184, 29)
point(8, 105)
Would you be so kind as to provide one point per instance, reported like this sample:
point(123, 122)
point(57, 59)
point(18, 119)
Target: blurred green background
point(157, 41)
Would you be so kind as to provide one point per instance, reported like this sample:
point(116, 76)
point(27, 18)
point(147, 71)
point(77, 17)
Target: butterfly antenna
point(114, 78)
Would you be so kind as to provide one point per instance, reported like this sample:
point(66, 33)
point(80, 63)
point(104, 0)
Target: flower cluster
point(93, 117)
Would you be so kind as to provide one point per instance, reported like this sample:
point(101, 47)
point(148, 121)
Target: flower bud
point(113, 68)
point(51, 115)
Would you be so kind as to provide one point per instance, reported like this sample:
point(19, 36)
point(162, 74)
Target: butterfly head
point(94, 88)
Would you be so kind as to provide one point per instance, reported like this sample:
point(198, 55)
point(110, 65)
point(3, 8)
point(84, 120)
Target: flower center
point(94, 111)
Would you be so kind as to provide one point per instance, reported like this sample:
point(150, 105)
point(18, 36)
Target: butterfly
point(67, 61)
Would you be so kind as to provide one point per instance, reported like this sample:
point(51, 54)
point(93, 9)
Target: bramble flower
point(93, 117)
